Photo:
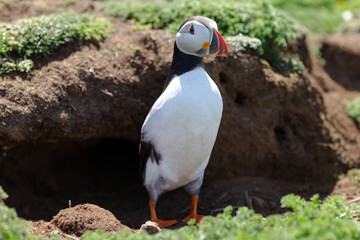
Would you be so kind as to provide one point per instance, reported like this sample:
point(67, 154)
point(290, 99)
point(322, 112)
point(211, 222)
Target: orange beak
point(222, 45)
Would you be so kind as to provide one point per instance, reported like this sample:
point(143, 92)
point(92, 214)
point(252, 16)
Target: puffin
point(180, 130)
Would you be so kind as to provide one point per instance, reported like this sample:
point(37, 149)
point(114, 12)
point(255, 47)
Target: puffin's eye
point(192, 29)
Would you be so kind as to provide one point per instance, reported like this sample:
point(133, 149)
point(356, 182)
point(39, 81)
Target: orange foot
point(193, 212)
point(165, 223)
point(197, 217)
point(161, 223)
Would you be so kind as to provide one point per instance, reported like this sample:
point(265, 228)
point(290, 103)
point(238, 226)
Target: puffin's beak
point(222, 45)
point(218, 45)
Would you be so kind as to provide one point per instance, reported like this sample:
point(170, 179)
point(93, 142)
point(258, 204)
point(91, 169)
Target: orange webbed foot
point(197, 217)
point(165, 223)
point(154, 218)
point(193, 212)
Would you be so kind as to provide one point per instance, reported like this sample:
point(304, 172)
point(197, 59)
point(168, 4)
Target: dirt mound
point(86, 217)
point(342, 58)
point(44, 228)
point(75, 221)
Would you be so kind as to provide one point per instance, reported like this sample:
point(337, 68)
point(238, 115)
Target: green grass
point(319, 16)
point(26, 40)
point(353, 109)
point(255, 19)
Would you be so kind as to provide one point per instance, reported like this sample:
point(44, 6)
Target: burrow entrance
point(41, 178)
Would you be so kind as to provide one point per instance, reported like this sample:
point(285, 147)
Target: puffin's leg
point(154, 184)
point(194, 188)
point(193, 210)
point(162, 223)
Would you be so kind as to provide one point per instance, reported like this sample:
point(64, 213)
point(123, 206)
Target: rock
point(150, 227)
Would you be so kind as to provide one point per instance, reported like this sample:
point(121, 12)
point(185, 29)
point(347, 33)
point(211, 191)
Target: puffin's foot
point(161, 223)
point(196, 216)
point(193, 212)
point(165, 223)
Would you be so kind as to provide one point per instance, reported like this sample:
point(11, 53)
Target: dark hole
point(115, 161)
point(280, 134)
point(41, 179)
point(222, 78)
point(240, 98)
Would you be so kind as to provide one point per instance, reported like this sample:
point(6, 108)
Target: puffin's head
point(198, 36)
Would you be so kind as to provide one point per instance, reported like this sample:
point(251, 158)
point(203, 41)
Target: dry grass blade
point(353, 200)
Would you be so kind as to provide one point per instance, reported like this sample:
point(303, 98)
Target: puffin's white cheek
point(188, 43)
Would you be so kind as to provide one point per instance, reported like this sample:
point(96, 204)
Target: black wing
point(146, 151)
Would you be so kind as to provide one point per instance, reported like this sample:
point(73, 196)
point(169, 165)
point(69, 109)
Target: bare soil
point(70, 129)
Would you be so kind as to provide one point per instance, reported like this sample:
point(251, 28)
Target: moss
point(25, 40)
point(353, 109)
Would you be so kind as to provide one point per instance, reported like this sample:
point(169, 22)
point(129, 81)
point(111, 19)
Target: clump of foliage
point(354, 175)
point(242, 42)
point(255, 19)
point(353, 109)
point(292, 63)
point(314, 219)
point(25, 40)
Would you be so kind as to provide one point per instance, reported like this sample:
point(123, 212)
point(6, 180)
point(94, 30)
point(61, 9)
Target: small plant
point(292, 63)
point(353, 109)
point(250, 20)
point(25, 40)
point(3, 194)
point(354, 175)
point(242, 42)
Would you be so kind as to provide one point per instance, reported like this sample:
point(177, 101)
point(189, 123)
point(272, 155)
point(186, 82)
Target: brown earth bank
point(70, 129)
point(342, 54)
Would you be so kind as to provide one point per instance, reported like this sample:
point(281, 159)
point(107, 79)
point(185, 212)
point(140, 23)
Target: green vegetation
point(242, 42)
point(354, 175)
point(319, 16)
point(313, 219)
point(353, 109)
point(25, 40)
point(255, 19)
